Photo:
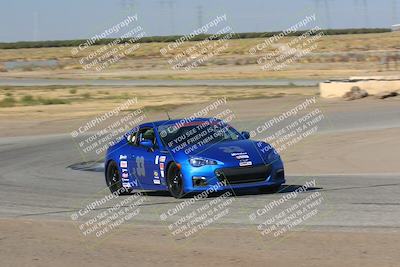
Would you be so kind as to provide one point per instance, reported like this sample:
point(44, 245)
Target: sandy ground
point(50, 243)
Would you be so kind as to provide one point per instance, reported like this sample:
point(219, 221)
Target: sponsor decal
point(156, 159)
point(238, 154)
point(124, 170)
point(125, 180)
point(134, 182)
point(242, 157)
point(245, 163)
point(123, 157)
point(162, 174)
point(126, 185)
point(125, 175)
point(156, 181)
point(123, 164)
point(155, 174)
point(231, 149)
point(161, 166)
point(162, 158)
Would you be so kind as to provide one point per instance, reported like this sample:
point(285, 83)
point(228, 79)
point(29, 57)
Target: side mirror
point(146, 143)
point(246, 135)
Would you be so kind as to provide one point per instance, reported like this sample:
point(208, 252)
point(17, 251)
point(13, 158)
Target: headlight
point(198, 162)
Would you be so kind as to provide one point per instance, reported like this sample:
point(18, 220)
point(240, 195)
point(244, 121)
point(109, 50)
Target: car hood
point(234, 152)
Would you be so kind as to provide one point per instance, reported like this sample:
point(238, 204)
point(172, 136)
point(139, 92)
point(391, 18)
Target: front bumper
point(219, 178)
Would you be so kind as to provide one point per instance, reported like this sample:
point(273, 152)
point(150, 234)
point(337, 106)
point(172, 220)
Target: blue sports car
point(191, 155)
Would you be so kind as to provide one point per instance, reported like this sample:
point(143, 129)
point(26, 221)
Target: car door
point(144, 158)
point(128, 170)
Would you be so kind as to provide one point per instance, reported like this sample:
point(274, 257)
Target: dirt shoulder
point(49, 243)
point(355, 152)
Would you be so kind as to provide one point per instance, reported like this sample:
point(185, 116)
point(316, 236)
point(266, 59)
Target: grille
point(248, 174)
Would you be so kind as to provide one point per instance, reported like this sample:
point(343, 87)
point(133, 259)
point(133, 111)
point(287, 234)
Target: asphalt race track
point(36, 184)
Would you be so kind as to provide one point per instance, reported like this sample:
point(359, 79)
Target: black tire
point(113, 179)
point(175, 181)
point(269, 189)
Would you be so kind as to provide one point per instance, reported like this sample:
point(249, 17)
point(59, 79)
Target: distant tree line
point(172, 38)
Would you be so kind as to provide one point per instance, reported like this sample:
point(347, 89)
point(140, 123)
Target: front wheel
point(175, 181)
point(113, 179)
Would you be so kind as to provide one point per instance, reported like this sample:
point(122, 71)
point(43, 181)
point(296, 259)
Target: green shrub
point(52, 101)
point(28, 100)
point(27, 68)
point(7, 102)
point(150, 39)
point(86, 95)
point(72, 91)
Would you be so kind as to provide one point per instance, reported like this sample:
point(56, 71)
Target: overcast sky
point(25, 20)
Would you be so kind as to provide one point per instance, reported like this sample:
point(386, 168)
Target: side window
point(146, 134)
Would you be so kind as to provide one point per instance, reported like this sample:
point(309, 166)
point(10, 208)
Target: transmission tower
point(327, 13)
point(199, 9)
point(394, 12)
point(365, 11)
point(35, 26)
point(325, 5)
point(171, 8)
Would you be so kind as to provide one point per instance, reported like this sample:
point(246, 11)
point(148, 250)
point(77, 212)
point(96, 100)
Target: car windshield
point(197, 133)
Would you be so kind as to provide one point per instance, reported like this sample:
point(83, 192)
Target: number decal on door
point(140, 170)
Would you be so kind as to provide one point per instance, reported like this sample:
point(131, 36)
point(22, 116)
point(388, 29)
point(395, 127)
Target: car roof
point(168, 122)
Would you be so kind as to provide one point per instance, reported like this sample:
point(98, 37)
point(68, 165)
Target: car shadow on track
point(284, 189)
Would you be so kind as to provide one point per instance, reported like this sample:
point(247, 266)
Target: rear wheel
point(113, 179)
point(175, 181)
point(269, 189)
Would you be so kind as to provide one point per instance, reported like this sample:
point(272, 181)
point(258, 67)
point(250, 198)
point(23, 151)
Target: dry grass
point(233, 63)
point(88, 101)
point(331, 43)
